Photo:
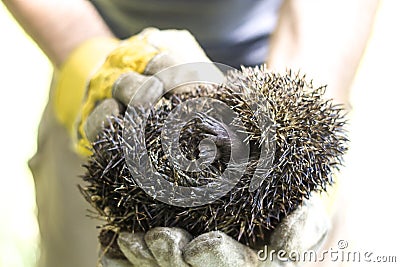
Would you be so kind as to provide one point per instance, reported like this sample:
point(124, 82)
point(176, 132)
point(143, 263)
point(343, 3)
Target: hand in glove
point(127, 65)
point(304, 229)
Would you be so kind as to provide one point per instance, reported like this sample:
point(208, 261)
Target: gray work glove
point(302, 230)
point(167, 48)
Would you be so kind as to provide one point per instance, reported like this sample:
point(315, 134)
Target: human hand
point(304, 229)
point(130, 65)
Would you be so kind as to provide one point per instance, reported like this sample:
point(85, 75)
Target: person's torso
point(234, 32)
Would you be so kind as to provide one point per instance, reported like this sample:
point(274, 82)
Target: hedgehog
point(305, 142)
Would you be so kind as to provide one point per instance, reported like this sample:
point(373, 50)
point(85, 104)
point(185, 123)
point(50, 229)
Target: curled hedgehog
point(306, 130)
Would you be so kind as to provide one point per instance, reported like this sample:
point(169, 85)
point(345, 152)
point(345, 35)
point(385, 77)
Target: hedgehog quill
point(310, 141)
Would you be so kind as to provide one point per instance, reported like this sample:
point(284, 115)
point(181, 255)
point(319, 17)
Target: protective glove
point(84, 99)
point(304, 229)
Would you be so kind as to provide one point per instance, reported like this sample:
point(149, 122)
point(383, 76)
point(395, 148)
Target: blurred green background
point(371, 178)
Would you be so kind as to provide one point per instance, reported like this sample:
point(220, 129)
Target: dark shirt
point(233, 32)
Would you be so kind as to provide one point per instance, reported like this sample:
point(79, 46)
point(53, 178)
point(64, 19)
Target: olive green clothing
point(68, 236)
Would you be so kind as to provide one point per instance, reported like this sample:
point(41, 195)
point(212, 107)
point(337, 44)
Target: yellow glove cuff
point(95, 65)
point(73, 78)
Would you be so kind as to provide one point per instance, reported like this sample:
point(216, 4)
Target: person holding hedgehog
point(103, 51)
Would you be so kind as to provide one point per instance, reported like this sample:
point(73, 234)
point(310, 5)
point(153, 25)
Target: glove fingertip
point(132, 88)
point(98, 118)
point(167, 244)
point(135, 249)
point(218, 249)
